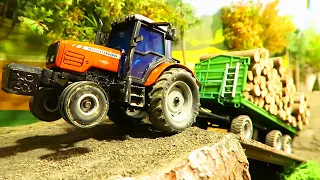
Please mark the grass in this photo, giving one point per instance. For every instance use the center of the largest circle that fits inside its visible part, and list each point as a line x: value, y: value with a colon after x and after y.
x: 306, y: 171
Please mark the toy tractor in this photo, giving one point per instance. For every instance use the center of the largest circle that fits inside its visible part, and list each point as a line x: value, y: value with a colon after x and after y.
x: 126, y: 77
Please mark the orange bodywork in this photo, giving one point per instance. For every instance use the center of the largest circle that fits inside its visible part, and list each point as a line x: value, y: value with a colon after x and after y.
x: 81, y: 56
x: 155, y: 74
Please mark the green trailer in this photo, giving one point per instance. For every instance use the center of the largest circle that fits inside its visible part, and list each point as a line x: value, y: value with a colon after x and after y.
x: 222, y: 82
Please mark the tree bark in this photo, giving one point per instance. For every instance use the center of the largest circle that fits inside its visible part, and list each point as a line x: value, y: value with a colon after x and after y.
x: 4, y: 13
x: 183, y: 46
x: 297, y: 73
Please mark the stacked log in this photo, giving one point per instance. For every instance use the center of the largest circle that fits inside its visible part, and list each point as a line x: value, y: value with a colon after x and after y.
x: 270, y: 87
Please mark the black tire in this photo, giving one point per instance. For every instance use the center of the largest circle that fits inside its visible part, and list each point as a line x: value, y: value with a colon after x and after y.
x: 287, y: 144
x: 44, y: 105
x: 159, y: 114
x: 274, y: 139
x: 118, y: 115
x: 242, y: 126
x: 77, y: 96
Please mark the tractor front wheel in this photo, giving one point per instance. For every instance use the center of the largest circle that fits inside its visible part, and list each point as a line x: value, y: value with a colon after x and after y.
x: 84, y: 104
x: 174, y: 101
x: 44, y: 105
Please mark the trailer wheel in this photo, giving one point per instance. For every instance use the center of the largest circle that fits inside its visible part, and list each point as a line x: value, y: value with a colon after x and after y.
x: 242, y: 125
x: 274, y: 139
x: 44, y: 105
x: 174, y: 101
x: 84, y: 104
x: 287, y: 144
x: 122, y: 117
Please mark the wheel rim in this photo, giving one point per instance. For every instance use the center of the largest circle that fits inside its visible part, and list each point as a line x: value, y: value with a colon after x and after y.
x: 51, y: 103
x: 179, y: 101
x: 133, y: 112
x: 287, y: 146
x: 88, y: 104
x: 247, y: 130
x: 278, y: 143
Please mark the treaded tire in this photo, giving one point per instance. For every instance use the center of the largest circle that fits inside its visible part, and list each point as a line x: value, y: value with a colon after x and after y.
x: 118, y: 115
x: 159, y: 113
x: 72, y: 107
x: 287, y: 144
x: 274, y: 139
x: 242, y: 126
x: 40, y: 110
x: 66, y: 92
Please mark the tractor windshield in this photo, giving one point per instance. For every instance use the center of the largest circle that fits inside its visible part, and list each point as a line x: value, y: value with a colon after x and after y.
x: 120, y: 36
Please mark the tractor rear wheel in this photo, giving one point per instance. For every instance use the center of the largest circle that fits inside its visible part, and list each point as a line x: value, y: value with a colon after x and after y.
x: 174, y: 101
x: 44, y: 105
x: 84, y: 104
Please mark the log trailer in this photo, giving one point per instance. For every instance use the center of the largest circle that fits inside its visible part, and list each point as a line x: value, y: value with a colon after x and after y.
x: 131, y: 74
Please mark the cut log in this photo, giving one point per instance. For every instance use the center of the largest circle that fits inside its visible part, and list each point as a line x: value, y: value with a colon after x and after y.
x: 262, y: 82
x: 300, y: 125
x: 256, y: 90
x: 264, y: 93
x: 277, y: 61
x: 254, y: 54
x: 306, y: 121
x: 261, y: 102
x: 256, y: 69
x: 256, y: 101
x: 249, y: 86
x: 307, y: 112
x: 250, y: 75
x: 294, y: 121
x: 268, y: 99
x: 267, y: 107
x: 269, y: 85
x: 297, y: 109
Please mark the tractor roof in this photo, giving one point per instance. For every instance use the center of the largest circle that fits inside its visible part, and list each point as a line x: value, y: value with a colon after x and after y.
x: 137, y: 17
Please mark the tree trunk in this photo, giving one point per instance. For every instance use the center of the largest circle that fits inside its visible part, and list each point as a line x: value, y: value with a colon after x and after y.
x: 183, y: 46
x: 297, y: 73
x: 4, y: 13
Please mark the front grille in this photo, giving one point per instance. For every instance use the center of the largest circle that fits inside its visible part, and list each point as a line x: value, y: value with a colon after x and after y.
x: 52, y: 53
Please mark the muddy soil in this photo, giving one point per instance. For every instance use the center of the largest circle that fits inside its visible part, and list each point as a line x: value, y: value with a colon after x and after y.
x: 56, y: 150
x: 307, y: 144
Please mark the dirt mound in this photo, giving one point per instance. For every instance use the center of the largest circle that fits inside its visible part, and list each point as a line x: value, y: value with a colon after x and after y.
x: 57, y: 150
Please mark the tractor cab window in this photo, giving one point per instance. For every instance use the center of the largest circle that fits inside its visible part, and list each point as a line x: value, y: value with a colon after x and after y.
x: 153, y: 41
x: 120, y: 37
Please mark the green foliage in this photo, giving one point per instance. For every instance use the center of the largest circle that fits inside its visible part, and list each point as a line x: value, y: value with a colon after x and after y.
x: 78, y: 19
x: 241, y: 25
x: 305, y: 46
x: 306, y: 171
x: 249, y: 25
x: 275, y: 28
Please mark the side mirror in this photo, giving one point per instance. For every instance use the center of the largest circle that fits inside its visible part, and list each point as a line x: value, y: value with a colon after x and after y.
x: 171, y: 34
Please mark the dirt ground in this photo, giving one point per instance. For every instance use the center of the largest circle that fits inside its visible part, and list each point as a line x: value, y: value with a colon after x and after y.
x: 56, y: 150
x: 307, y: 144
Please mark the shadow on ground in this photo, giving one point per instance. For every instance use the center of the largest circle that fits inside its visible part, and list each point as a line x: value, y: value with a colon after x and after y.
x: 64, y: 146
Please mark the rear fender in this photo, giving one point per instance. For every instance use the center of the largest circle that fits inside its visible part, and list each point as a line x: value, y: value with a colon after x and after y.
x: 156, y: 72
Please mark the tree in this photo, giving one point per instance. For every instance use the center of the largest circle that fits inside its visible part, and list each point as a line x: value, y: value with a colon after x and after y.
x: 275, y: 28
x: 241, y: 25
x: 250, y: 25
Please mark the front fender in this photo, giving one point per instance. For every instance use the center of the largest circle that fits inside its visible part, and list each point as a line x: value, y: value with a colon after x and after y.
x: 157, y: 71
